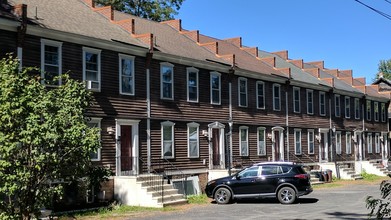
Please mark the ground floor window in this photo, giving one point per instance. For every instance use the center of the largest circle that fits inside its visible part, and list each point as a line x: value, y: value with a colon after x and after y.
x: 167, y: 139
x: 193, y: 140
x: 95, y: 123
x: 261, y: 142
x: 311, y: 145
x: 338, y: 141
x: 243, y: 142
x: 348, y: 143
x: 297, y: 141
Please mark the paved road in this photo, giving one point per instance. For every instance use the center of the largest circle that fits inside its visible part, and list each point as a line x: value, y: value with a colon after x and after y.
x: 346, y: 202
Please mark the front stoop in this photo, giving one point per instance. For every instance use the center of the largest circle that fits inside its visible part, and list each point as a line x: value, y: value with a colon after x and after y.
x: 379, y: 166
x: 347, y: 172
x: 162, y: 195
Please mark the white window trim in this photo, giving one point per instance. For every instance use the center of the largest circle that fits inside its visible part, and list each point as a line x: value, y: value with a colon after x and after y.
x: 320, y: 103
x: 369, y: 143
x: 279, y: 97
x: 377, y: 143
x: 193, y: 125
x: 188, y: 71
x: 263, y: 92
x: 53, y: 44
x: 126, y: 57
x: 337, y: 96
x: 169, y: 65
x: 347, y: 107
x: 368, y: 110
x: 264, y: 139
x: 356, y: 115
x: 301, y: 147
x: 348, y: 142
x: 240, y: 140
x: 239, y: 93
x: 294, y: 100
x: 311, y: 132
x: 338, y: 142
x: 98, y: 121
x: 310, y: 91
x: 211, y: 89
x: 170, y: 124
x: 376, y: 111
x: 383, y: 111
x: 98, y: 52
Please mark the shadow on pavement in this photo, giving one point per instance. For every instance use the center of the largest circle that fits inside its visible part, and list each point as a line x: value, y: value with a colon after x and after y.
x: 346, y: 215
x: 271, y: 201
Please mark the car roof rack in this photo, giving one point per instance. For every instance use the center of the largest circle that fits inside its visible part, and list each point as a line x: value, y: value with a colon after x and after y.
x: 276, y: 162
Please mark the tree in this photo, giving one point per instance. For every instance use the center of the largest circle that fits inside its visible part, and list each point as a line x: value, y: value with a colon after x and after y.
x: 380, y: 208
x: 384, y: 67
x: 44, y: 138
x: 156, y: 10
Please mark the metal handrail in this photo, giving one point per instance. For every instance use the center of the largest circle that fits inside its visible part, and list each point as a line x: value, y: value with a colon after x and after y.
x: 307, y: 156
x: 296, y: 157
x: 183, y: 176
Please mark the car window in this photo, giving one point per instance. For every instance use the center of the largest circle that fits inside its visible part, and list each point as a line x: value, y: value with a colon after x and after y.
x: 286, y: 169
x: 270, y: 170
x: 249, y: 172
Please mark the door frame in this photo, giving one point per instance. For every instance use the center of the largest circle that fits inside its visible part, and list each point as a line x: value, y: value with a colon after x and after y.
x: 135, y: 145
x: 281, y: 142
x: 220, y: 126
x: 358, y: 145
x: 324, y: 134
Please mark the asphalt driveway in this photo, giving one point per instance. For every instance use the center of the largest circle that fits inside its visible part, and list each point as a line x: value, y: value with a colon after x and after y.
x: 347, y: 202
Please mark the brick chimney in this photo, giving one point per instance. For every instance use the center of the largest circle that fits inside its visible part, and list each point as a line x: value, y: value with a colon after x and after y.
x: 283, y: 54
x: 90, y: 3
x: 106, y: 11
x: 269, y: 60
x: 127, y: 24
x: 212, y: 46
x: 237, y: 41
x: 319, y: 64
x: 193, y: 35
x: 176, y: 24
x: 298, y: 63
x: 251, y: 50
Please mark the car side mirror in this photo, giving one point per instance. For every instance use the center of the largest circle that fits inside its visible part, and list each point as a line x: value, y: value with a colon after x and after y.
x: 237, y: 177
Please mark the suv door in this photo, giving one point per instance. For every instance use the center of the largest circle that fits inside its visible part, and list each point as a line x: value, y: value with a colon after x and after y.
x: 270, y: 176
x: 246, y: 181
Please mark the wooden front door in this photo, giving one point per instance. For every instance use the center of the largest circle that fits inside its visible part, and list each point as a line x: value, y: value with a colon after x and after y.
x: 277, y: 143
x: 126, y: 148
x: 323, y: 147
x: 216, y: 146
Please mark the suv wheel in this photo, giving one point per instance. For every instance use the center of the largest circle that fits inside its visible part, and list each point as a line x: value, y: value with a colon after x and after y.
x: 222, y: 195
x: 286, y: 195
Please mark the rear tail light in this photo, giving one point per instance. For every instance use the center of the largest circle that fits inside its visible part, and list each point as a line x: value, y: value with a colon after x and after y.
x: 302, y: 176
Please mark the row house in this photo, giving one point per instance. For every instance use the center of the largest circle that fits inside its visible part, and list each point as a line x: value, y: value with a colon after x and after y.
x: 168, y: 96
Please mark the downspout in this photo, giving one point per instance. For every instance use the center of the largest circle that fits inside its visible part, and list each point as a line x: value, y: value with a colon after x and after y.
x: 231, y: 74
x: 287, y: 119
x: 331, y: 144
x: 147, y: 67
x: 363, y: 127
x: 21, y: 11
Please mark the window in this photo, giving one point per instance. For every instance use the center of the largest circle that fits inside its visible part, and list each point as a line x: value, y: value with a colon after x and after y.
x: 297, y: 141
x: 357, y: 108
x: 348, y: 143
x: 215, y: 88
x: 369, y: 142
x: 276, y: 97
x: 51, y: 61
x: 376, y: 110
x: 377, y: 143
x: 166, y: 81
x: 260, y: 95
x: 347, y: 107
x: 91, y: 68
x: 193, y: 140
x: 126, y: 75
x: 338, y: 146
x: 95, y: 123
x: 383, y: 112
x: 311, y: 143
x: 310, y: 101
x: 271, y: 170
x: 249, y: 172
x: 296, y: 100
x: 261, y: 142
x: 192, y: 84
x: 242, y: 84
x: 322, y: 103
x: 369, y: 111
x: 167, y: 132
x: 337, y: 100
x: 243, y: 142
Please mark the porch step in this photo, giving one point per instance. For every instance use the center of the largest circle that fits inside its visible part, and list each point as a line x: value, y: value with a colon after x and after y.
x: 177, y: 202
x: 166, y: 192
x: 169, y: 198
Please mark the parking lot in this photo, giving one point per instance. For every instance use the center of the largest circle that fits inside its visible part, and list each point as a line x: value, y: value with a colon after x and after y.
x: 347, y: 202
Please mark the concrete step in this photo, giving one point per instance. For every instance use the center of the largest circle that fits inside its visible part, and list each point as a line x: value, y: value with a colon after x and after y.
x: 158, y: 188
x: 176, y: 202
x: 357, y: 177
x: 166, y: 192
x: 169, y: 198
x: 153, y: 183
x: 148, y: 177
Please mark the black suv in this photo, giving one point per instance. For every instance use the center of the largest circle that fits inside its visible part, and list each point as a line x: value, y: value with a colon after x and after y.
x: 283, y: 180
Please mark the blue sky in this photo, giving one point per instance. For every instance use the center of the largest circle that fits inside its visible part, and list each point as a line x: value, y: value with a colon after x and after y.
x: 343, y: 33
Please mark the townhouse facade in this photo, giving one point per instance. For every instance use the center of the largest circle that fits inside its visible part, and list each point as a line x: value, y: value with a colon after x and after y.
x: 206, y: 106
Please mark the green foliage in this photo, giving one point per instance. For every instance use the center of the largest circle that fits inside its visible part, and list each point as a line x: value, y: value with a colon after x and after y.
x: 370, y: 177
x: 44, y: 138
x: 380, y: 208
x: 384, y: 67
x: 156, y: 10
x: 197, y: 199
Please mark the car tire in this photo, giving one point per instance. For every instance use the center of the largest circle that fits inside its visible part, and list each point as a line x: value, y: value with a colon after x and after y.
x: 286, y: 195
x: 222, y: 195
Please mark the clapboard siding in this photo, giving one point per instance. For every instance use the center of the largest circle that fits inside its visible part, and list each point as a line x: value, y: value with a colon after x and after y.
x: 7, y: 43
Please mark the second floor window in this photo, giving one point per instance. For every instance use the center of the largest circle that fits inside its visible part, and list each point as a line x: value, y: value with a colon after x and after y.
x: 347, y: 107
x: 242, y: 84
x: 126, y: 71
x: 276, y: 97
x: 369, y: 109
x: 243, y: 142
x: 167, y: 81
x: 322, y: 104
x: 337, y: 101
x: 192, y: 84
x: 311, y: 143
x: 310, y: 102
x: 261, y: 142
x: 51, y: 61
x: 296, y: 99
x: 91, y: 68
x: 215, y: 88
x: 357, y: 108
x: 383, y: 112
x: 376, y: 110
x: 261, y: 95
